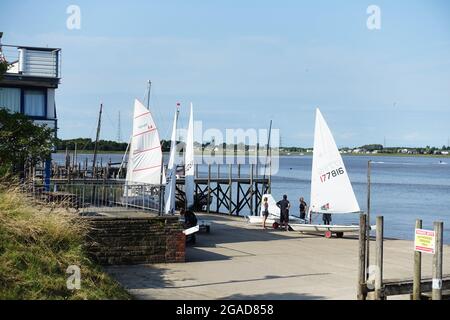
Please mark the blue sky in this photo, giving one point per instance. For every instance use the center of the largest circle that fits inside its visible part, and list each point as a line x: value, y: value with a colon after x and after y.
x: 244, y: 63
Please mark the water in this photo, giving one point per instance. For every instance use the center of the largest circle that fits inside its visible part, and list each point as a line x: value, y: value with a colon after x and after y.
x: 403, y: 188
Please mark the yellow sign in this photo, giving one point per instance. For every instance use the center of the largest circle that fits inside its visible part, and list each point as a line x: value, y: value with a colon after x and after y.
x: 424, y: 241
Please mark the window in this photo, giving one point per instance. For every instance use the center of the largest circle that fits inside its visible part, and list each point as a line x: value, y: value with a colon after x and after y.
x: 10, y: 99
x: 34, y: 103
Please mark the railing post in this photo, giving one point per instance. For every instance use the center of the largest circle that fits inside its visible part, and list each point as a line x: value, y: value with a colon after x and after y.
x: 379, y: 259
x: 361, y: 290
x: 437, y: 262
x: 417, y: 290
x: 209, y: 190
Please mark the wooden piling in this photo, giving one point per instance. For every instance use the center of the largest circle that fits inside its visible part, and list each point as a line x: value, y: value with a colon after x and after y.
x: 437, y: 262
x: 361, y: 290
x: 209, y: 190
x: 368, y: 219
x: 230, y: 187
x: 417, y: 292
x: 379, y: 259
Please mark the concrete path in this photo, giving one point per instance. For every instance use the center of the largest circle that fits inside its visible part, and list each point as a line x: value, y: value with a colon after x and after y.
x: 241, y: 261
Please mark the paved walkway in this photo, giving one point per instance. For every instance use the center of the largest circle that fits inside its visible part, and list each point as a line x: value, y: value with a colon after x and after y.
x: 241, y: 261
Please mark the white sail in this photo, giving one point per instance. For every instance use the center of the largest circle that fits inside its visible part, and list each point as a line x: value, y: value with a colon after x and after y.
x: 171, y: 171
x: 189, y: 166
x: 331, y: 190
x: 145, y: 157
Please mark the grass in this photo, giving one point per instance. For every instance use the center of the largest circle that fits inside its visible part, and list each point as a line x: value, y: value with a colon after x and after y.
x: 37, y: 245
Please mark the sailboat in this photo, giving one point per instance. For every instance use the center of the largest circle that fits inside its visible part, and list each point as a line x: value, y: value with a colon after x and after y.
x: 170, y: 191
x: 331, y: 190
x: 144, y: 167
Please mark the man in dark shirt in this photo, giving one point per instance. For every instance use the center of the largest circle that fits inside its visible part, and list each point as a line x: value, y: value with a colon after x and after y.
x: 284, y: 206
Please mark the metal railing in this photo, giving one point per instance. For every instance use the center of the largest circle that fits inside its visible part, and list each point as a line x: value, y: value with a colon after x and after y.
x: 97, y: 196
x: 32, y: 61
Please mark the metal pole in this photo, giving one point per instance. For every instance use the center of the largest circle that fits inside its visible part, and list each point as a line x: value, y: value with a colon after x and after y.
x: 361, y: 290
x: 417, y: 269
x: 437, y: 262
x: 251, y: 189
x: 379, y: 259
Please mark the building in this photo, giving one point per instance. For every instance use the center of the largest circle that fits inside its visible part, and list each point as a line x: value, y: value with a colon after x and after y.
x: 30, y: 82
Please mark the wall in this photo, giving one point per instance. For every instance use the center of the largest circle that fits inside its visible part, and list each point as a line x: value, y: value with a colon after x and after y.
x: 119, y: 241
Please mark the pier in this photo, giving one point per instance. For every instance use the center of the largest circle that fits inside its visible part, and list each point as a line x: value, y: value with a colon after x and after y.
x: 226, y: 189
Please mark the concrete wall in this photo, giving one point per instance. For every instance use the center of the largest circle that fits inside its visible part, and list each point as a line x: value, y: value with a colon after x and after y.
x: 119, y: 241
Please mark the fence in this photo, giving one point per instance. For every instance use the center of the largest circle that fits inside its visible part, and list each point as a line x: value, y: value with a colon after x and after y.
x: 98, y: 196
x: 417, y: 287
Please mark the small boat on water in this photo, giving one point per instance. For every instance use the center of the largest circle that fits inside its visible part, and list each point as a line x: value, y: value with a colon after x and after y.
x: 331, y: 190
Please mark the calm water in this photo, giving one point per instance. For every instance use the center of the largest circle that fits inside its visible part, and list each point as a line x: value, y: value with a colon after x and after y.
x: 403, y: 188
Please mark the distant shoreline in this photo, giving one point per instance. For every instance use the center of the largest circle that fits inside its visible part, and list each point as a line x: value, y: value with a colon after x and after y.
x: 284, y: 154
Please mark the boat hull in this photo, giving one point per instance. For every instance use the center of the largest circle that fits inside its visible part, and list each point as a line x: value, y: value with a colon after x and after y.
x: 316, y: 228
x: 271, y: 219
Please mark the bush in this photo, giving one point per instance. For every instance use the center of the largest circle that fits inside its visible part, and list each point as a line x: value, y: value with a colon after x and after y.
x: 36, y: 247
x: 22, y: 141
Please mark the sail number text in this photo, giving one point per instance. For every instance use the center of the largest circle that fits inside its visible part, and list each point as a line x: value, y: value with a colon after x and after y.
x: 332, y: 174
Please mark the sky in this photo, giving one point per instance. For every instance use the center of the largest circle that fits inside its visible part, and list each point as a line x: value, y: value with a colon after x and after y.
x: 244, y: 63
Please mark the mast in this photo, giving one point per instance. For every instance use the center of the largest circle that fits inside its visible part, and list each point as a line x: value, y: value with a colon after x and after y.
x: 123, y: 158
x: 94, y: 167
x: 148, y: 93
x: 119, y: 129
x: 189, y: 162
x: 268, y: 156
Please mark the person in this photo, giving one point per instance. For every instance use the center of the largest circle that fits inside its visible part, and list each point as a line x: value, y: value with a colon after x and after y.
x: 190, y: 221
x: 303, y: 207
x: 326, y: 218
x: 284, y: 206
x: 265, y: 211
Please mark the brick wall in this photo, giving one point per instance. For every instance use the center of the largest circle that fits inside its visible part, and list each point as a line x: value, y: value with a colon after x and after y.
x: 114, y: 241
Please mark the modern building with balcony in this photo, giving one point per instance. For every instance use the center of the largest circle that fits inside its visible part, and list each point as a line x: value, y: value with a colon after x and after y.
x: 31, y: 79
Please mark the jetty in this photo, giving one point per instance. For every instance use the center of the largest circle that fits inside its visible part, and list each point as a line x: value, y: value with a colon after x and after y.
x: 228, y: 189
x: 241, y: 261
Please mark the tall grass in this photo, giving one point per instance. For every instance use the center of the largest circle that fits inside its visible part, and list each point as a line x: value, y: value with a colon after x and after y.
x: 37, y: 245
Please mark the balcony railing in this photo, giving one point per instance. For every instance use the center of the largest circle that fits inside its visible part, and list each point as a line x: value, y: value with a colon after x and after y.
x: 32, y: 61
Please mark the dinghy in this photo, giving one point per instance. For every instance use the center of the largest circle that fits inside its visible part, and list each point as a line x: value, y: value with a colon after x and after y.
x: 144, y: 167
x: 331, y: 190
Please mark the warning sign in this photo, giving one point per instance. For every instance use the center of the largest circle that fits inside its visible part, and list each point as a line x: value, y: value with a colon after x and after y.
x: 424, y: 241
